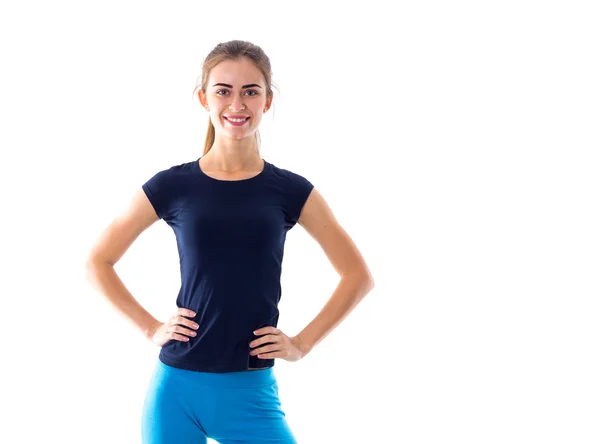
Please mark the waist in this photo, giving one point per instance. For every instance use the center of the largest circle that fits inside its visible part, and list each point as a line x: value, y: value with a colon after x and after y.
x: 234, y: 379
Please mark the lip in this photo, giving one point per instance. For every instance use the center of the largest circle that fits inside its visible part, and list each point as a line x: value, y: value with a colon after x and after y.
x: 247, y: 119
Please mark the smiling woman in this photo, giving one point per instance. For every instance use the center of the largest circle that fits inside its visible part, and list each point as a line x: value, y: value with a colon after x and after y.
x: 230, y: 210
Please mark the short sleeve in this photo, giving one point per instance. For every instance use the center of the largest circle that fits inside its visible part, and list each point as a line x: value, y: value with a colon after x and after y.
x: 158, y: 189
x: 298, y: 192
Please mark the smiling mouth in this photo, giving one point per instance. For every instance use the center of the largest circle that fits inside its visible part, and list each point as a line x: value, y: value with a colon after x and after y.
x: 236, y: 121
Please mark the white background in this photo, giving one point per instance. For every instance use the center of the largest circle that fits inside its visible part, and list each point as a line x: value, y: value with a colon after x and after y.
x: 456, y: 142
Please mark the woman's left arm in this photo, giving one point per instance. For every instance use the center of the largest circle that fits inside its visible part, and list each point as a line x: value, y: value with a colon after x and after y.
x: 355, y: 277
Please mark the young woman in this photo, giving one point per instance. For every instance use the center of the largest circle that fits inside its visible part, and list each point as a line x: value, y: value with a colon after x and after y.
x: 230, y: 211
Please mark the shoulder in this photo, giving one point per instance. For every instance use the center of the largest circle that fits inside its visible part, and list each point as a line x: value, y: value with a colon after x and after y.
x: 173, y: 173
x: 180, y: 169
x: 294, y: 189
x: 167, y: 188
x: 172, y: 180
x: 290, y: 177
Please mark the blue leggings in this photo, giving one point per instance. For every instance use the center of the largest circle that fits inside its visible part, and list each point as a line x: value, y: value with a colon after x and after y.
x: 187, y: 407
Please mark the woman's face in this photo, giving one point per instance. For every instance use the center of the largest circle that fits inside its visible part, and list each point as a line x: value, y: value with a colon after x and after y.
x: 236, y: 89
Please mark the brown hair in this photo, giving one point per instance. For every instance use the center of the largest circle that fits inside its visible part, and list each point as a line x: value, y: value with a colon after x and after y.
x: 233, y: 50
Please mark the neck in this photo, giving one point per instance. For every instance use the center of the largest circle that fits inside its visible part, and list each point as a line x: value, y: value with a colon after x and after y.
x: 233, y: 155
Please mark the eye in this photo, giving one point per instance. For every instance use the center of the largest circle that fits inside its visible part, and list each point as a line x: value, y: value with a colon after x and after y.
x: 227, y: 91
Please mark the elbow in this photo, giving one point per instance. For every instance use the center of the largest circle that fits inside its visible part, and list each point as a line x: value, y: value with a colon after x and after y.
x: 91, y: 261
x: 367, y: 283
x: 370, y: 282
x: 361, y: 278
x: 96, y: 259
x: 89, y: 268
x: 91, y: 265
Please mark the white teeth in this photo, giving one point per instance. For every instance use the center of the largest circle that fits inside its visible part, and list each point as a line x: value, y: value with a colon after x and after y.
x: 236, y: 120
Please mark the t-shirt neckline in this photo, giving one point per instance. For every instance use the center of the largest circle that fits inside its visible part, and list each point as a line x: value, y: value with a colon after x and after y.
x: 256, y: 178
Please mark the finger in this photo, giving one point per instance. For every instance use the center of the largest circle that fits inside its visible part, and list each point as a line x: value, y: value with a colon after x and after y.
x: 177, y: 336
x: 265, y: 330
x: 184, y: 331
x: 185, y: 321
x: 265, y: 340
x: 272, y: 355
x: 266, y: 349
x: 176, y: 319
x: 186, y: 312
x: 272, y: 338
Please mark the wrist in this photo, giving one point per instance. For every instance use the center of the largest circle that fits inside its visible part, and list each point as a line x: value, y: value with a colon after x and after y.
x: 149, y: 330
x: 304, y: 346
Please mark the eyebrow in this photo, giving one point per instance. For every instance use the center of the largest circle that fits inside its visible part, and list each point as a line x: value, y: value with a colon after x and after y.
x: 243, y: 87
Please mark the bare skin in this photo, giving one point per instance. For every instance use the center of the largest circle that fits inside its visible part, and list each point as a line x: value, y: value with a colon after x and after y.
x: 209, y: 170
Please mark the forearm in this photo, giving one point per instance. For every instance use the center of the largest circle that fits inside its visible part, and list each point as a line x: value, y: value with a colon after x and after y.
x: 351, y: 289
x: 104, y: 278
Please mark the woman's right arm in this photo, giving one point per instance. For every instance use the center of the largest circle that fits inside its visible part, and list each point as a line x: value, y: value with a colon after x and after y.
x: 109, y: 248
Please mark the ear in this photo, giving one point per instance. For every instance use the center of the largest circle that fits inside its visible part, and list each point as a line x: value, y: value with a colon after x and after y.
x: 268, y: 104
x: 202, y: 98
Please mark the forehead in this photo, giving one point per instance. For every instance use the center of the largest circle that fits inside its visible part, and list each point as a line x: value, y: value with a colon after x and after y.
x: 236, y: 73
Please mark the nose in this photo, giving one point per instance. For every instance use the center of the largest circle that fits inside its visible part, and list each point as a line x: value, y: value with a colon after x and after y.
x: 236, y: 105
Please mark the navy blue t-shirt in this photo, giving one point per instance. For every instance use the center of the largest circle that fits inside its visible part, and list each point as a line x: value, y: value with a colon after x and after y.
x: 230, y: 237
